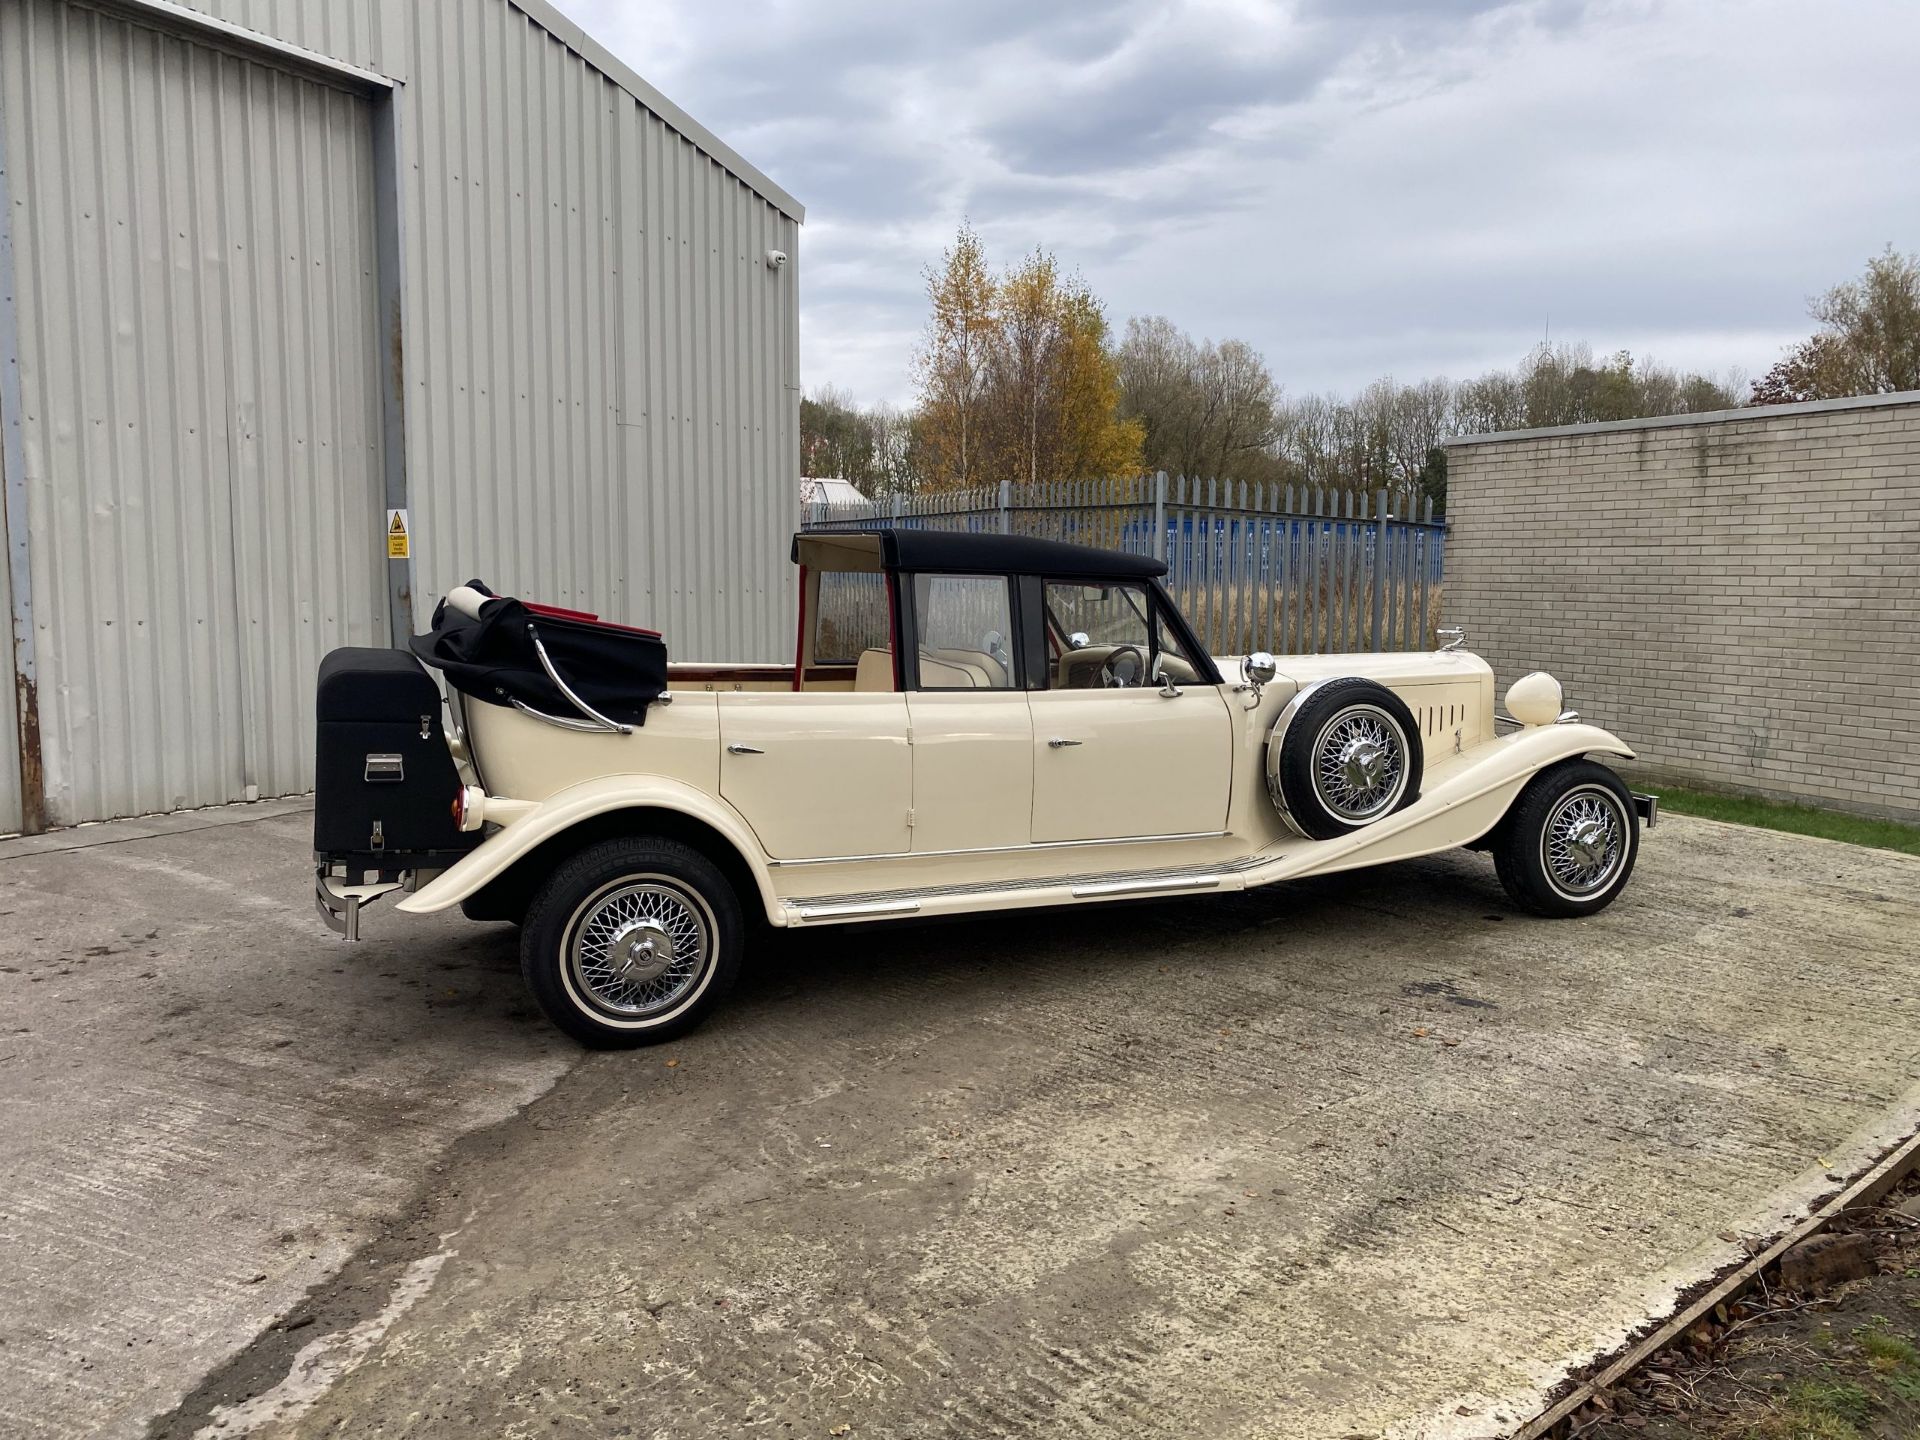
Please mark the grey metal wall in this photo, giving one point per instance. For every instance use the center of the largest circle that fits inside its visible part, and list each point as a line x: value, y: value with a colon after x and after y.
x: 194, y: 248
x: 603, y: 372
x: 11, y: 813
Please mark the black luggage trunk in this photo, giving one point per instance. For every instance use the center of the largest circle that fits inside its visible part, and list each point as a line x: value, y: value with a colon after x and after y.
x: 385, y: 780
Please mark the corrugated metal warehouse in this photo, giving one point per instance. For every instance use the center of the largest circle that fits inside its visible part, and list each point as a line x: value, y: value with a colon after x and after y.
x: 270, y: 271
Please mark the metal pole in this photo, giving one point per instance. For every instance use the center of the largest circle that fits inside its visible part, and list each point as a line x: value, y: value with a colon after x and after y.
x: 1160, y: 515
x: 13, y: 478
x: 389, y: 256
x: 1379, y: 568
x: 1006, y: 504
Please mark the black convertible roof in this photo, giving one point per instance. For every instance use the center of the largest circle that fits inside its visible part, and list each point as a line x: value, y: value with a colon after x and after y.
x: 951, y: 553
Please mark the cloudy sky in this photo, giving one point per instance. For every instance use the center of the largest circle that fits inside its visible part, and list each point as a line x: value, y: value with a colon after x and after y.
x: 1357, y: 187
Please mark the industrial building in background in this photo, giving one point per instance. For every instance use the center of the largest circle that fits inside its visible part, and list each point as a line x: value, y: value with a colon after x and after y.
x: 309, y: 312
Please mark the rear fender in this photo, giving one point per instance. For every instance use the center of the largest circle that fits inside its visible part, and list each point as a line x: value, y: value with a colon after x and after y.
x: 577, y: 804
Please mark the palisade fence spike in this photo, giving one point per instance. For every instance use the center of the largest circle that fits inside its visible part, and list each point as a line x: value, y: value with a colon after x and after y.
x: 1291, y: 566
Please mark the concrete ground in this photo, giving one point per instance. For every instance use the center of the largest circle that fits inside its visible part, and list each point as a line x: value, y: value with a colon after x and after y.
x: 1371, y: 1155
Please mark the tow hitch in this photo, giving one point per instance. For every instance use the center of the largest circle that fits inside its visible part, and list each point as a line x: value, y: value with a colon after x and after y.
x: 339, y: 902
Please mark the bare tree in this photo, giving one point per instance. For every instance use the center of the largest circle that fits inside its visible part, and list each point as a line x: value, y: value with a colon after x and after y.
x: 1208, y: 409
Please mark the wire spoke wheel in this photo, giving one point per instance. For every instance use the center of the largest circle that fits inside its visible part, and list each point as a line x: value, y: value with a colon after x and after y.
x: 1584, y: 840
x: 1360, y: 763
x: 637, y: 947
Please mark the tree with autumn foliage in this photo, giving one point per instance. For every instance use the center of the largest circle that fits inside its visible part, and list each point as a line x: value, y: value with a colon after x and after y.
x: 952, y: 362
x: 1017, y: 380
x: 1868, y: 342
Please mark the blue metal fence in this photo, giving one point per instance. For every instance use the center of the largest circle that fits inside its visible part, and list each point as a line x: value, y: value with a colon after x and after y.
x: 1254, y: 567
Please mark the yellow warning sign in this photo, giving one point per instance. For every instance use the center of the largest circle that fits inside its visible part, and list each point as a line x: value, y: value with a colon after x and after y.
x: 397, y: 546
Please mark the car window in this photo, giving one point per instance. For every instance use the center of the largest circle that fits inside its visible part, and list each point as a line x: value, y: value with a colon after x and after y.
x: 850, y: 617
x: 1108, y: 634
x: 964, y: 632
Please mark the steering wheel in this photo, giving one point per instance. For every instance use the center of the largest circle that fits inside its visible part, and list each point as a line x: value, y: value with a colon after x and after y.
x: 1123, y: 668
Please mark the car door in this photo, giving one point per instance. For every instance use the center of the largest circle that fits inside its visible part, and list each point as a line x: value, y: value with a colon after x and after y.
x: 819, y: 774
x: 1114, y: 755
x: 972, y: 732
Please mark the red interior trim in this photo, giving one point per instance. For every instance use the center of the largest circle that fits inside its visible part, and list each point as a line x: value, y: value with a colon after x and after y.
x: 800, y: 634
x: 587, y: 617
x: 559, y: 612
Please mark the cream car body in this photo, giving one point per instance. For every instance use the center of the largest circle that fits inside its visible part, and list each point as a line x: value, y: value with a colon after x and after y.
x: 1032, y: 767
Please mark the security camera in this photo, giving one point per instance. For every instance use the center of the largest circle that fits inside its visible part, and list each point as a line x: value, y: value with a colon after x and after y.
x: 776, y: 259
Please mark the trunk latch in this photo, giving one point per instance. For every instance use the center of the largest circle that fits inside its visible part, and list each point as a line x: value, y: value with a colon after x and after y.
x: 385, y: 768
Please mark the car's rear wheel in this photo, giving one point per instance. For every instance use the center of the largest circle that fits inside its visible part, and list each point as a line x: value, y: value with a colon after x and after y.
x: 632, y: 942
x: 1568, y: 844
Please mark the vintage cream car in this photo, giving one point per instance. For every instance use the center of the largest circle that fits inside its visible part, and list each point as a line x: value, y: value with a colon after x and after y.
x: 971, y: 723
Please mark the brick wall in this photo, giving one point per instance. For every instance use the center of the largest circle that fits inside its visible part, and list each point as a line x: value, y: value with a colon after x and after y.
x: 1738, y: 598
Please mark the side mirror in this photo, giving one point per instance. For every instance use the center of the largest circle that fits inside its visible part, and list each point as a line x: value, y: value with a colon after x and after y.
x: 1256, y: 671
x: 1168, y: 689
x: 1079, y: 640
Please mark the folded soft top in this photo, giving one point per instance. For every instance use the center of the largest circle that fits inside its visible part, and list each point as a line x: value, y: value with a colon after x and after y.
x: 565, y: 665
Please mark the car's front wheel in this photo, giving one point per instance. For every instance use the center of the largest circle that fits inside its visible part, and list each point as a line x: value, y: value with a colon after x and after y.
x: 632, y: 942
x: 1568, y: 844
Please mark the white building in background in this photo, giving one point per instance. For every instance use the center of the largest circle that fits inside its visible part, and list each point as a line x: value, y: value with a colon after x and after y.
x: 830, y: 491
x: 271, y: 272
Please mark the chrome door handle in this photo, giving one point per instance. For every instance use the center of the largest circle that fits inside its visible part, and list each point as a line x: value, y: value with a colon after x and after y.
x: 1059, y: 744
x: 744, y: 750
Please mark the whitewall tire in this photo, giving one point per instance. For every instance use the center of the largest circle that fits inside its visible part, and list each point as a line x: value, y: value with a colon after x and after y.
x: 1568, y: 845
x: 631, y: 942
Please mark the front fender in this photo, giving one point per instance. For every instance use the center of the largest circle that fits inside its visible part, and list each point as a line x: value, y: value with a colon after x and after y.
x: 1538, y: 746
x: 567, y: 808
x: 1463, y: 801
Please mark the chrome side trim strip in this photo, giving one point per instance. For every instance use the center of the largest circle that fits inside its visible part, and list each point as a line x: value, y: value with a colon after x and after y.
x: 848, y: 911
x: 1003, y: 849
x: 1099, y: 884
x: 1146, y: 887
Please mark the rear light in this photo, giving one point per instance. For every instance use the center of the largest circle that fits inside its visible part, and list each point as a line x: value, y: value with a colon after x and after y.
x: 469, y: 807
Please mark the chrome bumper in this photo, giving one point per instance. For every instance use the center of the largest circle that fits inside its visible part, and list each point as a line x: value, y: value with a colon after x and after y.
x: 1647, y: 807
x: 339, y: 903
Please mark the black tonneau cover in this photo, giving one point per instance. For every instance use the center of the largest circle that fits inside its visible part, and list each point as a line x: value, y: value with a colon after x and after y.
x: 616, y: 669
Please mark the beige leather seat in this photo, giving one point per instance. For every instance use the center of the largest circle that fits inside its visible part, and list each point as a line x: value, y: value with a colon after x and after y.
x: 946, y: 672
x: 939, y: 670
x: 874, y: 672
x: 983, y: 671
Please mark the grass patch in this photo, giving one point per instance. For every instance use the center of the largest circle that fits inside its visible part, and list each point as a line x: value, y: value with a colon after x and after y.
x: 1794, y: 819
x: 1819, y: 1410
x: 1888, y: 1353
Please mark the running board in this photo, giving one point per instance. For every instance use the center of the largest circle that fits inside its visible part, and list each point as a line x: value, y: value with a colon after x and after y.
x: 1108, y: 889
x: 855, y: 910
x: 1051, y: 890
